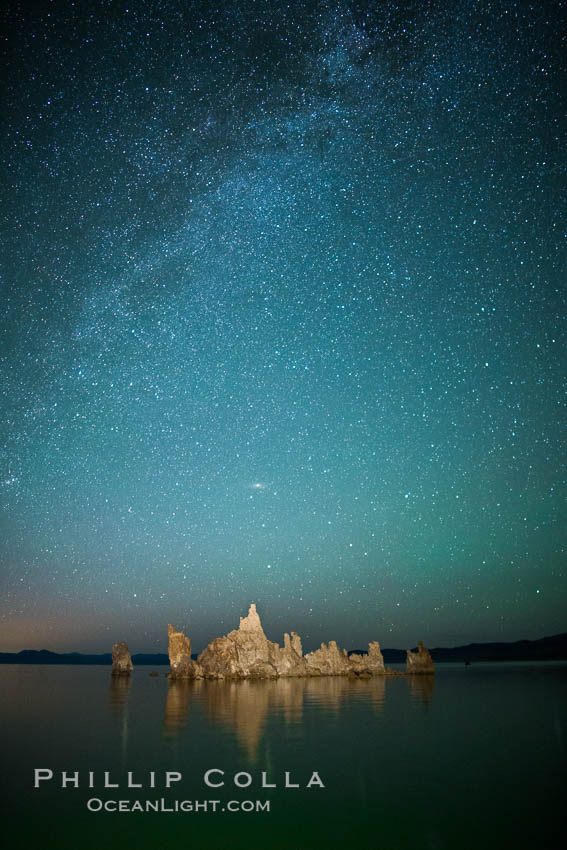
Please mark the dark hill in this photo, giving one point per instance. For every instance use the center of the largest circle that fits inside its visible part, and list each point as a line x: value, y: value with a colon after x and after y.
x: 552, y: 648
x: 43, y: 656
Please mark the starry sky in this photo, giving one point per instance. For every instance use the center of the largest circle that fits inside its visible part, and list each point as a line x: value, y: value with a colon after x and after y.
x: 282, y: 320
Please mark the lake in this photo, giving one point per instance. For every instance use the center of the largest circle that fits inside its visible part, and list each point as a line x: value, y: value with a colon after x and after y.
x: 471, y: 758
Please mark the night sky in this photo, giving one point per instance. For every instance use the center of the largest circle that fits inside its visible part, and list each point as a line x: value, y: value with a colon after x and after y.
x: 282, y: 320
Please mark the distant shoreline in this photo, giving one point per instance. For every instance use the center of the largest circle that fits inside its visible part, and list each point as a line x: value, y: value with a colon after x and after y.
x: 552, y: 648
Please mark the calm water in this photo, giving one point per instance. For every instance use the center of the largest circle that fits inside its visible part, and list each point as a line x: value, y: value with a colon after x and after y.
x: 472, y: 759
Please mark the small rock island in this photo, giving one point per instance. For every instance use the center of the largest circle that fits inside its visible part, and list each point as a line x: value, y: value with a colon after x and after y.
x: 121, y: 660
x: 246, y: 653
x: 420, y: 661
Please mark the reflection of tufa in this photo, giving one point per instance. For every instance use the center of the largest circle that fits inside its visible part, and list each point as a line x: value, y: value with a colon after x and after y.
x: 121, y: 660
x: 246, y: 653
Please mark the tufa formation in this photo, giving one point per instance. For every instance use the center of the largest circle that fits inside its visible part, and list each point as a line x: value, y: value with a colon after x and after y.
x: 182, y: 665
x: 420, y: 661
x: 246, y: 653
x: 121, y: 660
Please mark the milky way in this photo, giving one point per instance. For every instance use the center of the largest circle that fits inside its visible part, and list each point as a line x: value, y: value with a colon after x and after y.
x: 282, y: 321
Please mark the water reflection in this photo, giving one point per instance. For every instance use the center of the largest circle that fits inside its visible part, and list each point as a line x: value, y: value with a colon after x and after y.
x: 421, y: 687
x: 241, y: 706
x: 118, y: 701
x: 286, y: 696
x: 118, y: 694
x: 376, y: 690
x: 179, y: 695
x: 329, y: 691
x: 244, y: 707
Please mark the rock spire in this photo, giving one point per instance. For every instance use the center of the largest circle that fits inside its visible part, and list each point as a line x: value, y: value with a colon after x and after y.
x: 246, y: 653
x: 420, y: 661
x: 121, y: 660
